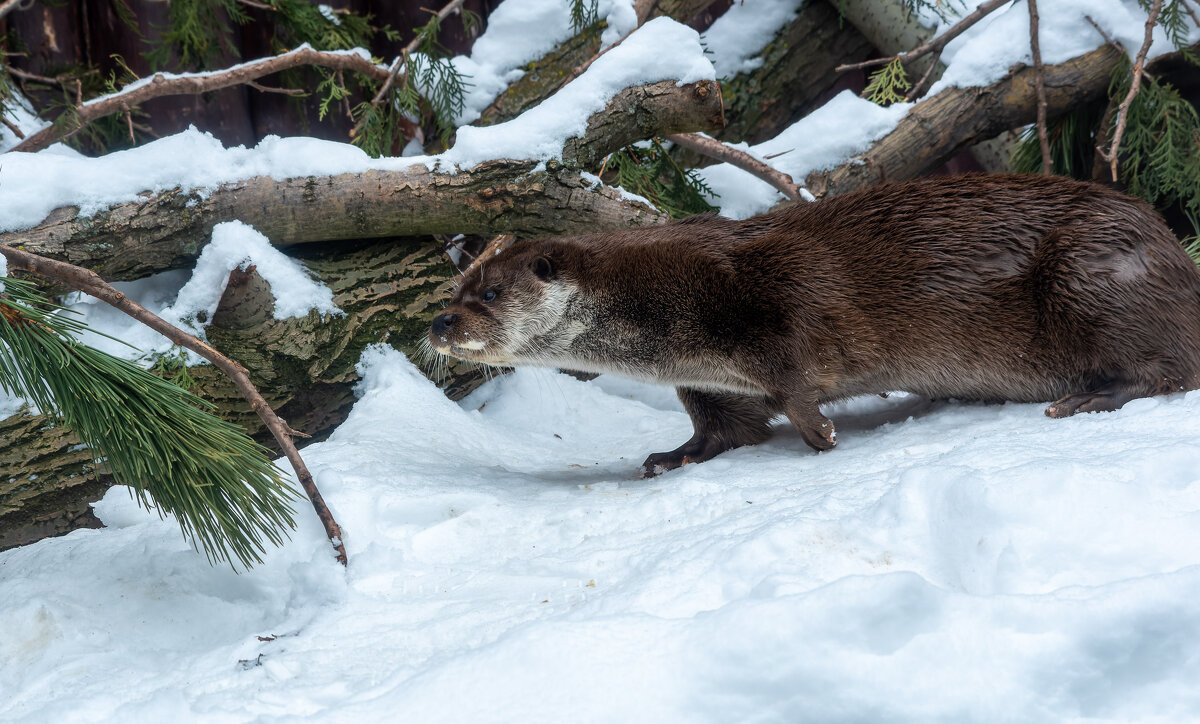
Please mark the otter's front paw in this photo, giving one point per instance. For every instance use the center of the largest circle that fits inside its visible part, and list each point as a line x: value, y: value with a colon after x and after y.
x: 659, y: 463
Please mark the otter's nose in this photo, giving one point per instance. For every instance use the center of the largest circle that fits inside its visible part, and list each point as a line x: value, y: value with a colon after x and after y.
x: 442, y: 322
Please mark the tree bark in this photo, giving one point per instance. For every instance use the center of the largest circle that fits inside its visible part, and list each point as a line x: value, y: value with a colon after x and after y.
x: 168, y: 230
x: 46, y: 481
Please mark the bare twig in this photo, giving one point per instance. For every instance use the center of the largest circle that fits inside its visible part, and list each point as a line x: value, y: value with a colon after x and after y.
x: 1112, y: 154
x: 26, y: 75
x: 715, y: 149
x: 8, y: 6
x: 1187, y: 5
x: 89, y: 282
x: 193, y: 83
x: 442, y: 14
x: 12, y: 126
x: 284, y: 91
x: 258, y: 5
x: 919, y: 88
x: 1107, y: 38
x: 1039, y: 85
x: 934, y: 46
x: 129, y: 124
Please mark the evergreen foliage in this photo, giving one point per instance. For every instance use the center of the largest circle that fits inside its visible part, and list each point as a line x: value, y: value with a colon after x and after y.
x: 199, y: 31
x: 1160, y: 154
x: 584, y: 14
x: 648, y: 170
x: 1072, y: 143
x: 1173, y: 19
x: 229, y: 498
x: 888, y: 84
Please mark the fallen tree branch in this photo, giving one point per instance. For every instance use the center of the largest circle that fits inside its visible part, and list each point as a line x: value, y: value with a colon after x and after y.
x: 937, y: 128
x: 645, y: 111
x: 1039, y: 84
x: 167, y: 230
x: 552, y: 71
x: 162, y: 84
x: 89, y: 282
x: 1113, y: 152
x: 736, y: 157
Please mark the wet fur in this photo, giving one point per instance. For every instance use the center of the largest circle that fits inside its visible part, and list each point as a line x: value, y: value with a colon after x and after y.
x: 985, y: 287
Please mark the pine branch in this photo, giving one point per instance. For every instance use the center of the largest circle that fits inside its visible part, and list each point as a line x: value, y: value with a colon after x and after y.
x: 224, y: 491
x: 160, y: 85
x: 89, y: 282
x: 715, y: 149
x: 1039, y: 84
x: 1111, y: 155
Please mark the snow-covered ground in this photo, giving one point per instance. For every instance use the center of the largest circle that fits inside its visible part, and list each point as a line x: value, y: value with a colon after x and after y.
x: 947, y: 562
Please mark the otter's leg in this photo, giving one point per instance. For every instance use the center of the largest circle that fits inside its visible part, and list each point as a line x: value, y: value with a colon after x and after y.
x: 722, y: 421
x: 1105, y: 398
x: 816, y: 429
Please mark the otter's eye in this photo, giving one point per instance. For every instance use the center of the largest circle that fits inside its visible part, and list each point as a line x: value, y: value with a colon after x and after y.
x: 488, y: 296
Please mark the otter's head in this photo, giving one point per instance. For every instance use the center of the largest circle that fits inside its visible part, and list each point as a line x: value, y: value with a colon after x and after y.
x: 509, y: 308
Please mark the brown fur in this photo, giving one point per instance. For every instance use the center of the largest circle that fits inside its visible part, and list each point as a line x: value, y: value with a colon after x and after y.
x: 987, y: 287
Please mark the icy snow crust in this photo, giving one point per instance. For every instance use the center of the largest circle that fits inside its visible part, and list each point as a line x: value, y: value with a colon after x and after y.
x: 947, y: 562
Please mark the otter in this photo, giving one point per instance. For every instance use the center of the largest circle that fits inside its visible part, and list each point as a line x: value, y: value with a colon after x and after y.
x: 976, y: 287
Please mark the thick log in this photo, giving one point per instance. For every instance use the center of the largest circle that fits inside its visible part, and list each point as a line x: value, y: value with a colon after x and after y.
x: 167, y: 231
x: 47, y: 481
x: 937, y: 128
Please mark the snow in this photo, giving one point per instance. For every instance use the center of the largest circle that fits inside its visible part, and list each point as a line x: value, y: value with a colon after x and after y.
x: 659, y: 50
x: 498, y: 56
x: 236, y: 245
x: 736, y: 38
x: 985, y: 52
x: 844, y: 126
x: 946, y: 562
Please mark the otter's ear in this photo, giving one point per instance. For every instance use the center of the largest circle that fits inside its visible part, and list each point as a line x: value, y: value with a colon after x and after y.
x: 543, y: 268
